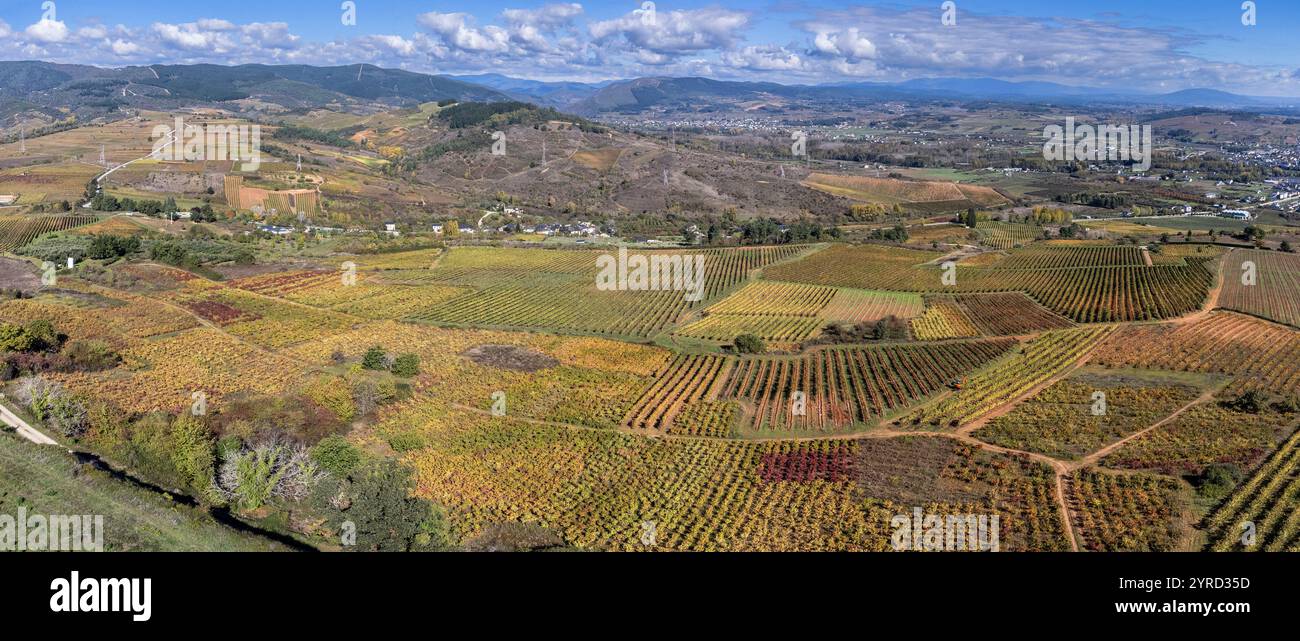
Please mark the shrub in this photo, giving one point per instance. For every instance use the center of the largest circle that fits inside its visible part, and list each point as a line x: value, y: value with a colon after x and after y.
x: 406, y: 442
x: 337, y: 456
x: 332, y: 393
x: 386, y: 517
x: 407, y: 366
x: 253, y: 477
x: 375, y: 359
x: 1217, y: 480
x: 91, y: 356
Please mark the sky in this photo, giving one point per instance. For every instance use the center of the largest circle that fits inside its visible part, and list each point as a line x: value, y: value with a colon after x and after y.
x: 1138, y: 46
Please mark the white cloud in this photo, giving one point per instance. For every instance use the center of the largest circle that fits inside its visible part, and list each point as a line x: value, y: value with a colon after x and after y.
x: 93, y: 32
x: 674, y: 32
x: 764, y: 58
x: 850, y: 44
x: 459, y: 31
x: 48, y: 31
x: 551, y: 15
x: 122, y: 48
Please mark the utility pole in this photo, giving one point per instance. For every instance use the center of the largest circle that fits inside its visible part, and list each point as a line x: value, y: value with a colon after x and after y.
x: 103, y: 160
x: 22, y: 139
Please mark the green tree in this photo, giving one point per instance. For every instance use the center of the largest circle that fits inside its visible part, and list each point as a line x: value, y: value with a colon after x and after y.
x: 386, y: 516
x: 750, y: 344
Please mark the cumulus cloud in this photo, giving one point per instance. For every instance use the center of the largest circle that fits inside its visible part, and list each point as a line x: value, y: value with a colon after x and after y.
x: 48, y: 31
x: 559, y: 41
x: 459, y: 31
x: 764, y: 58
x: 674, y: 32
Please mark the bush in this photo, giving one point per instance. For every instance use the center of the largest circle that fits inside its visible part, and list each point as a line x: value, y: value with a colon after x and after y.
x: 375, y: 359
x: 337, y: 456
x: 406, y: 442
x: 1218, y: 480
x: 407, y: 366
x: 49, y: 403
x: 750, y: 344
x: 91, y: 356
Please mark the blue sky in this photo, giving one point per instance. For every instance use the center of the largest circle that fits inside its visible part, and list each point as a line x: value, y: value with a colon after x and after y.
x: 1157, y: 45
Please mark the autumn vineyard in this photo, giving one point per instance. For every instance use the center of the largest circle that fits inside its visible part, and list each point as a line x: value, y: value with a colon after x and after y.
x: 1094, y: 396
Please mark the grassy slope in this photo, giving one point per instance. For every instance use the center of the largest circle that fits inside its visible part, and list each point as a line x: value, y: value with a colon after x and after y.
x: 46, y: 480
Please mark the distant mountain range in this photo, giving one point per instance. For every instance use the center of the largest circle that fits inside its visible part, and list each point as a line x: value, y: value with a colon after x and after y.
x: 85, y: 89
x: 46, y: 89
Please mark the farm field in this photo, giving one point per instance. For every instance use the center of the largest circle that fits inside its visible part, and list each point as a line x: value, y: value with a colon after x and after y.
x: 1004, y: 236
x: 843, y: 387
x: 1258, y: 354
x: 1204, y: 435
x: 1115, y: 291
x: 1264, y: 284
x: 1070, y: 420
x: 1032, y: 364
x: 1265, y: 499
x: 17, y: 231
x: 920, y: 195
x: 1127, y: 512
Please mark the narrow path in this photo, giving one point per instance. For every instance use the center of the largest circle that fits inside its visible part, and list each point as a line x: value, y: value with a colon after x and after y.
x: 1093, y: 458
x: 24, y: 430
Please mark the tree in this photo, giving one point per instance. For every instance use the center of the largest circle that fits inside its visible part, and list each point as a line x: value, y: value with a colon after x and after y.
x: 750, y: 344
x: 386, y: 516
x: 972, y: 218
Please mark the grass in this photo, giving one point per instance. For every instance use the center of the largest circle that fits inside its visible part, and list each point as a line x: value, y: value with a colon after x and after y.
x: 48, y: 480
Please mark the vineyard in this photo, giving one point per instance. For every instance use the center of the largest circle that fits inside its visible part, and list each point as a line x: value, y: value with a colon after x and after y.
x: 842, y: 387
x: 17, y: 231
x: 1016, y: 374
x: 943, y: 319
x: 1126, y: 512
x: 860, y: 306
x: 1060, y: 421
x: 688, y: 379
x: 1204, y: 435
x: 1259, y: 354
x: 1267, y: 499
x: 1274, y: 292
x: 558, y: 290
x: 597, y: 489
x: 1007, y: 235
x: 1115, y: 290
